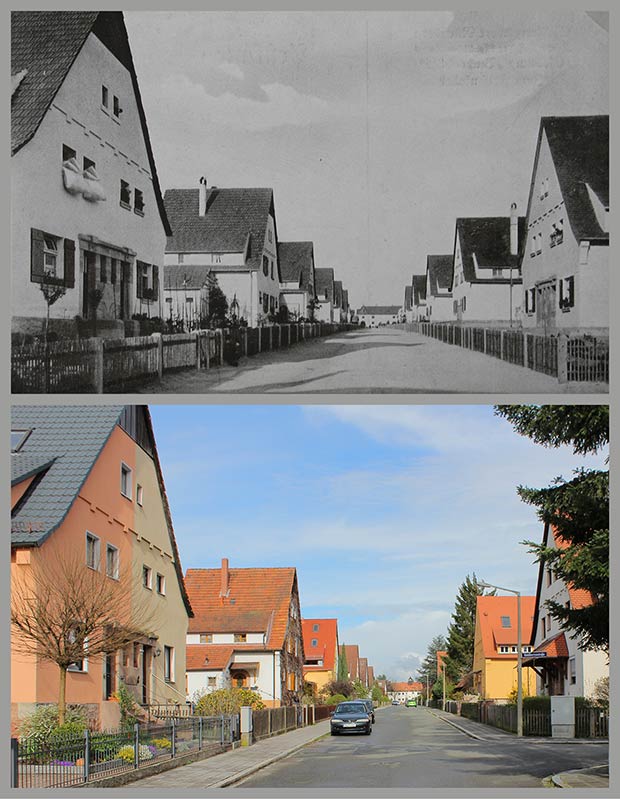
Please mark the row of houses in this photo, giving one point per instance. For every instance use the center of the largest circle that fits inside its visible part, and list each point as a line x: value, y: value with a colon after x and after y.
x: 92, y: 235
x: 89, y: 508
x: 545, y: 271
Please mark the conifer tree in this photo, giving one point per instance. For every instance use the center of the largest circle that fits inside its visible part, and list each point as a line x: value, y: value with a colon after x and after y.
x: 460, y: 643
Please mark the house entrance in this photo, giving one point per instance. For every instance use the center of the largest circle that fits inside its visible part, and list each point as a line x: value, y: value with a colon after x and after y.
x: 546, y: 303
x: 147, y: 660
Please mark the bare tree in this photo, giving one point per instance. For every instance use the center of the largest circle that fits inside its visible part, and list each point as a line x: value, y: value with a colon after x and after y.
x: 63, y: 612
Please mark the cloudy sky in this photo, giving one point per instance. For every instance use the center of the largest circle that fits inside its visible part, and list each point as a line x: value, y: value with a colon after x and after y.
x: 375, y: 129
x: 384, y: 510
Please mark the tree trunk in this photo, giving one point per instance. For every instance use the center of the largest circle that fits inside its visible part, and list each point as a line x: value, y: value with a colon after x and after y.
x: 62, y: 692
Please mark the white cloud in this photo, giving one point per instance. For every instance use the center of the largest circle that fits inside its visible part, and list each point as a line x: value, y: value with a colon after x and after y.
x: 234, y: 70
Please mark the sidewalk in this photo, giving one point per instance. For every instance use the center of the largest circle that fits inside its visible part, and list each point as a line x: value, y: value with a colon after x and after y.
x: 595, y: 777
x: 231, y: 767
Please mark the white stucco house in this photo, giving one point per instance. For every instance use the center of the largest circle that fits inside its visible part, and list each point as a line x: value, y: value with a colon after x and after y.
x: 324, y: 282
x: 439, y: 306
x: 297, y: 287
x: 375, y: 315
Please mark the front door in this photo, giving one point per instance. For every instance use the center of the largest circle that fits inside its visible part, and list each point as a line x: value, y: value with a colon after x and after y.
x: 110, y: 675
x: 147, y: 655
x: 546, y: 304
x: 89, y: 282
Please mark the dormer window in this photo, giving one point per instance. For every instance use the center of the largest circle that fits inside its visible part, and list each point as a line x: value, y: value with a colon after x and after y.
x: 240, y: 638
x: 505, y: 621
x: 125, y: 195
x: 18, y: 439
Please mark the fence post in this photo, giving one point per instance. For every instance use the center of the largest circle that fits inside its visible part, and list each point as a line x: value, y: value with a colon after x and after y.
x: 14, y: 763
x: 199, y: 733
x: 244, y: 336
x: 157, y: 338
x: 270, y: 337
x: 198, y: 335
x: 98, y: 365
x: 86, y: 754
x: 221, y: 332
x: 222, y: 730
x: 501, y: 345
x: 136, y: 744
x: 173, y: 738
x: 524, y: 336
x: 562, y: 358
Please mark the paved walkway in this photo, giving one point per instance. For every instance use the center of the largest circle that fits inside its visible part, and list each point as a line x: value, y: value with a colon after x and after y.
x: 230, y: 767
x: 366, y: 362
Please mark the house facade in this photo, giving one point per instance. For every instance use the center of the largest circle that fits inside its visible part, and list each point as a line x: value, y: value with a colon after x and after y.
x: 407, y: 311
x: 88, y: 225
x: 486, y: 281
x: 324, y: 278
x: 418, y: 285
x: 402, y: 691
x: 233, y: 233
x: 439, y: 306
x: 86, y: 484
x: 564, y: 669
x: 297, y: 287
x: 246, y: 632
x: 375, y: 315
x: 566, y: 256
x: 496, y: 646
x: 321, y: 647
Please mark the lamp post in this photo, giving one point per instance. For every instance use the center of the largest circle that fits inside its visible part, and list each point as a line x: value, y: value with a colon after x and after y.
x: 519, y: 654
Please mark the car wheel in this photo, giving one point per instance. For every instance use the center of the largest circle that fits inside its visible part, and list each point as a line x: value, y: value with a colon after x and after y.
x: 334, y: 732
x: 369, y: 730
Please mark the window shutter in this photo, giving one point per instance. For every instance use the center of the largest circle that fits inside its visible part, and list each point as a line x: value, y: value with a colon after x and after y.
x: 139, y: 285
x: 69, y: 263
x: 155, y: 282
x: 571, y: 292
x: 113, y: 271
x: 561, y: 282
x: 103, y: 264
x: 36, y: 256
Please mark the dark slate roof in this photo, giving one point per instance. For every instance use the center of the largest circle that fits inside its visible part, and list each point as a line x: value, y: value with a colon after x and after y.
x: 338, y: 293
x: 439, y: 269
x: 295, y: 259
x: 25, y: 466
x: 44, y: 45
x: 232, y: 217
x: 488, y: 237
x: 345, y: 299
x: 419, y: 288
x: 408, y: 297
x: 324, y: 282
x: 380, y: 310
x: 72, y: 436
x: 194, y: 277
x: 580, y: 151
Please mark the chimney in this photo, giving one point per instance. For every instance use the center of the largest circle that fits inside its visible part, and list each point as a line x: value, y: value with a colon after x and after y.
x: 202, y: 196
x: 514, y: 230
x: 224, y: 583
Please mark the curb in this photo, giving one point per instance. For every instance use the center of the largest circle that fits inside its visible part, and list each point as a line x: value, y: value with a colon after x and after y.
x: 458, y: 727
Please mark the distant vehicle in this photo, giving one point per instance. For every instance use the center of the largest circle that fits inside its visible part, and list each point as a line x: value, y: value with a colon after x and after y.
x: 411, y: 703
x: 351, y: 716
x: 371, y: 708
x: 395, y: 702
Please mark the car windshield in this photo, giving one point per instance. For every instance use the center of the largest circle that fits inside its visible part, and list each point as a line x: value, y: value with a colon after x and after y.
x: 356, y: 707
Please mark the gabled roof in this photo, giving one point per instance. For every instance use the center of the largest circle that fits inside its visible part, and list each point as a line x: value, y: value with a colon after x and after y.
x: 44, y: 46
x: 324, y: 282
x: 439, y: 269
x: 352, y: 654
x: 327, y: 641
x: 580, y: 151
x: 265, y: 591
x: 489, y: 612
x: 380, y: 310
x: 418, y: 283
x: 208, y: 657
x: 338, y: 293
x: 235, y: 219
x: 487, y: 238
x: 371, y: 675
x: 186, y: 276
x: 398, y: 687
x: 70, y: 438
x: 408, y: 298
x: 25, y: 466
x: 345, y: 299
x: 363, y: 670
x: 296, y: 259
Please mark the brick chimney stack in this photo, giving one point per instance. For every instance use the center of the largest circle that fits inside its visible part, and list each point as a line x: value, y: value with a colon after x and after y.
x: 514, y: 230
x: 202, y: 196
x: 224, y: 590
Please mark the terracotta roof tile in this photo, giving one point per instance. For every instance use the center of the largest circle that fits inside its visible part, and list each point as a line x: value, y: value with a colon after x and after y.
x: 383, y: 310
x: 327, y: 641
x: 489, y: 612
x: 405, y: 686
x: 555, y: 647
x: 352, y: 654
x: 217, y: 657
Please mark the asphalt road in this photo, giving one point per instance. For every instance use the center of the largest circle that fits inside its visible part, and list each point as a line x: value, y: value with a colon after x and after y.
x: 376, y: 361
x: 412, y: 748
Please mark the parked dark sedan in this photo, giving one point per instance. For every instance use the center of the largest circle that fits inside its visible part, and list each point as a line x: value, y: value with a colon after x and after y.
x: 351, y: 716
x: 371, y: 708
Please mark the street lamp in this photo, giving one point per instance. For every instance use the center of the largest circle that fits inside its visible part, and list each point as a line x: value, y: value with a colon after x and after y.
x: 519, y: 654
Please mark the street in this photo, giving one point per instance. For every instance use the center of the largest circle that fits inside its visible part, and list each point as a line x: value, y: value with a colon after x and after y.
x: 415, y: 748
x: 379, y: 360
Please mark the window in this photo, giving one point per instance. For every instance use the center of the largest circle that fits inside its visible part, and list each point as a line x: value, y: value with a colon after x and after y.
x: 270, y: 235
x: 181, y: 258
x: 504, y: 649
x: 111, y: 562
x: 104, y: 96
x: 211, y: 682
x: 161, y: 584
x: 169, y: 663
x: 50, y: 255
x: 87, y: 164
x: 265, y: 303
x: 572, y: 671
x: 18, y: 439
x: 147, y: 577
x: 103, y: 268
x: 530, y: 300
x: 498, y: 272
x: 147, y: 281
x: 567, y: 293
x: 464, y: 303
x: 68, y: 153
x: 314, y: 642
x: 505, y: 620
x: 73, y: 637
x: 240, y: 638
x: 138, y: 202
x: 315, y: 628
x: 291, y: 682
x: 139, y: 494
x: 92, y: 551
x: 272, y: 268
x: 549, y: 576
x: 206, y: 638
x: 136, y: 655
x: 113, y: 271
x: 543, y: 627
x: 125, y: 481
x: 125, y: 196
x: 557, y: 233
x: 116, y: 107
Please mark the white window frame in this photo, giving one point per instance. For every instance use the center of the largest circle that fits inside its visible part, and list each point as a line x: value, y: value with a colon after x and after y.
x: 51, y: 249
x: 147, y: 573
x: 126, y: 480
x: 80, y: 666
x: 96, y: 550
x: 572, y: 671
x: 110, y: 548
x: 168, y: 655
x: 160, y: 583
x: 139, y: 494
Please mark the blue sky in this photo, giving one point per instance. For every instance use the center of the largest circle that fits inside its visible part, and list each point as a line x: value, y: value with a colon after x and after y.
x: 383, y: 509
x: 375, y: 129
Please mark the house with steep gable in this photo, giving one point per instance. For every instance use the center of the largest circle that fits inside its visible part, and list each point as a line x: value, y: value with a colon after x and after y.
x: 496, y: 640
x: 561, y: 668
x: 246, y: 632
x: 565, y: 263
x: 321, y: 647
x: 324, y: 282
x: 407, y: 311
x: 403, y: 691
x: 376, y: 315
x: 418, y: 285
x: 439, y: 306
x: 232, y: 232
x: 88, y: 224
x: 486, y: 279
x: 351, y: 653
x: 86, y: 484
x: 297, y: 286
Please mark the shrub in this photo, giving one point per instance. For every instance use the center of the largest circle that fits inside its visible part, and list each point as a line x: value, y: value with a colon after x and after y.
x: 335, y: 699
x: 39, y: 726
x: 227, y: 700
x: 128, y: 707
x: 126, y: 753
x: 161, y: 743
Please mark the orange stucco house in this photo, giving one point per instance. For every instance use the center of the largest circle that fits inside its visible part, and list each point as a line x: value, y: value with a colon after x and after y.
x: 86, y: 483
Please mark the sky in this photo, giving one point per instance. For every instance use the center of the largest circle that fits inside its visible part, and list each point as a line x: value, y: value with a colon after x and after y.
x: 384, y: 510
x: 375, y: 129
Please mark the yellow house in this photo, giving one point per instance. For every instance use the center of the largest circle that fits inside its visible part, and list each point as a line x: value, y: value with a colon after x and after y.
x: 495, y: 646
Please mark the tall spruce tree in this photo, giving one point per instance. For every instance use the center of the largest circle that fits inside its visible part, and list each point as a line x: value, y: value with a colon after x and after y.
x: 577, y: 509
x: 460, y: 644
x: 428, y: 667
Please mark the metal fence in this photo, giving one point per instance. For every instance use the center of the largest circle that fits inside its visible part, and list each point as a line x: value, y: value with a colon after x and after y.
x: 68, y: 760
x: 571, y: 357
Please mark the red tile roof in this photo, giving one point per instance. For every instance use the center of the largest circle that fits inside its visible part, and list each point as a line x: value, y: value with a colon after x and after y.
x: 490, y: 609
x: 218, y: 656
x: 253, y: 594
x: 406, y: 686
x: 579, y: 597
x: 555, y: 647
x: 352, y: 654
x: 327, y: 641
